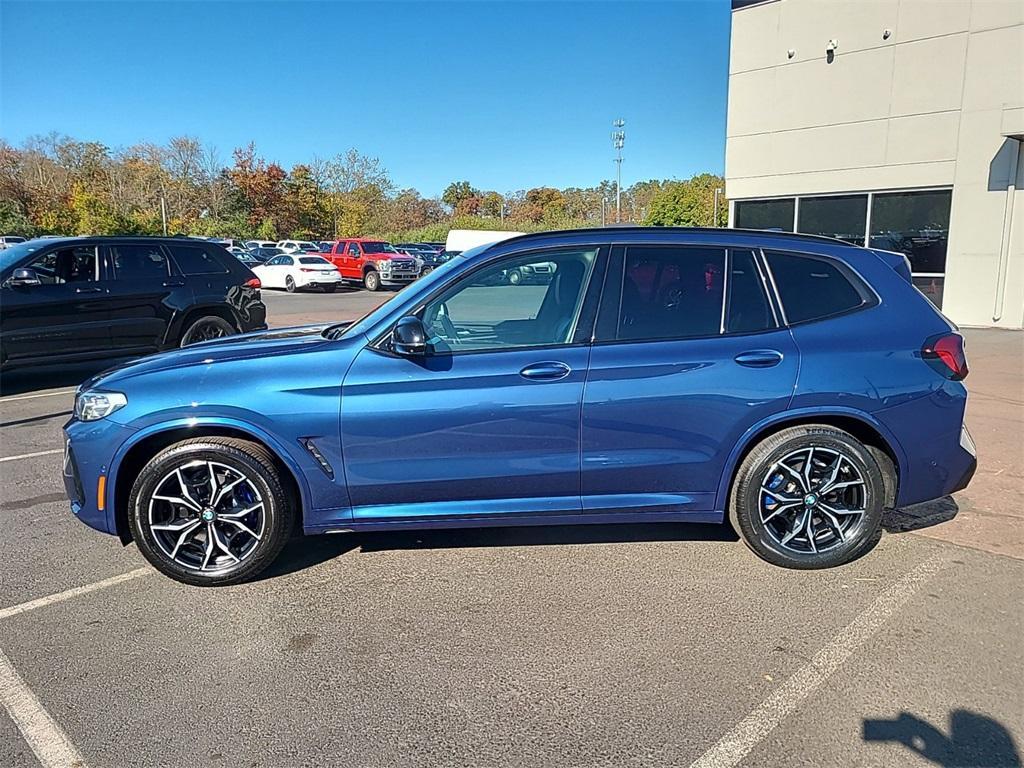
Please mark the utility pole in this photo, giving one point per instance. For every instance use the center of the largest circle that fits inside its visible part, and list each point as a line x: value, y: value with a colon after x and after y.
x: 714, y: 221
x: 604, y: 202
x: 163, y: 213
x: 618, y: 140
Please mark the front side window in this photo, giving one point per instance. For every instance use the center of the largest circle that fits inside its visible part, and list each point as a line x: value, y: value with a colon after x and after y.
x: 812, y: 288
x: 67, y: 265
x: 353, y: 249
x: 138, y: 262
x: 671, y: 293
x: 526, y: 301
x: 195, y: 261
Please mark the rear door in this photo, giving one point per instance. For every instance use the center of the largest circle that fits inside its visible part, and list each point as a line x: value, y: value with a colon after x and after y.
x: 144, y: 295
x: 65, y: 315
x: 688, y: 355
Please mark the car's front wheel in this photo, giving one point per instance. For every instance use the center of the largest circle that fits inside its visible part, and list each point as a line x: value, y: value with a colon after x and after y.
x: 371, y: 280
x: 206, y: 329
x: 808, y: 497
x: 210, y: 511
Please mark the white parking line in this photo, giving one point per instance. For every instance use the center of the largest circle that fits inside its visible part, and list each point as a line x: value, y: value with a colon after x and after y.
x: 67, y: 594
x: 32, y: 397
x: 732, y: 748
x: 32, y: 455
x: 47, y: 740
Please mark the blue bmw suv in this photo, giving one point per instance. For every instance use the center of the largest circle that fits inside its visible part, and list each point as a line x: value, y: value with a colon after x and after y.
x: 794, y: 385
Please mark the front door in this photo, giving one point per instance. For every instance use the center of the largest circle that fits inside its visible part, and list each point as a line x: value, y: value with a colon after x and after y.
x: 689, y: 356
x: 65, y: 315
x: 487, y: 423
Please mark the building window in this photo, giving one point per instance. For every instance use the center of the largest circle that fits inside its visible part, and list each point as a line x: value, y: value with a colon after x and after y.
x: 917, y: 224
x: 840, y: 216
x: 765, y: 214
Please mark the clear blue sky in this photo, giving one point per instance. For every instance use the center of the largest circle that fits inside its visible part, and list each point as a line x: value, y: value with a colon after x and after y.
x: 507, y: 95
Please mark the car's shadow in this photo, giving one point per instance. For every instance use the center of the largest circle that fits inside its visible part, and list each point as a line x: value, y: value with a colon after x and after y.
x: 306, y: 551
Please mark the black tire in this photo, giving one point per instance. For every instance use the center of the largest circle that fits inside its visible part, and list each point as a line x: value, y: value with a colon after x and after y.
x: 746, y: 501
x: 247, y: 459
x: 207, y: 328
x: 515, y: 277
x: 371, y: 280
x: 426, y: 271
x: 289, y: 284
x: 330, y: 288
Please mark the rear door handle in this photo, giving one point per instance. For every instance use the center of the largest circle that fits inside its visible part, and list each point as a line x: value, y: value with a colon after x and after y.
x: 546, y: 371
x: 88, y: 290
x: 759, y: 358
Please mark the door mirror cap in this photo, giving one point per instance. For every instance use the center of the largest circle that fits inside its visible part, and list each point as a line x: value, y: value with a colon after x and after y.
x: 409, y: 337
x: 24, y: 277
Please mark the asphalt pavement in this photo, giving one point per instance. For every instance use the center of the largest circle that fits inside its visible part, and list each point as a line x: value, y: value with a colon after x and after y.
x: 657, y: 645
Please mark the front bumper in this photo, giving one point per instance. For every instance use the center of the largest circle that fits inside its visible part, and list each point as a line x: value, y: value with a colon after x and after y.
x: 89, y: 448
x: 397, y: 278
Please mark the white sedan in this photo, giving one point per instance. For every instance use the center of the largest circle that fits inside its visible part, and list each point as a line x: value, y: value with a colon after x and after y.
x: 292, y: 272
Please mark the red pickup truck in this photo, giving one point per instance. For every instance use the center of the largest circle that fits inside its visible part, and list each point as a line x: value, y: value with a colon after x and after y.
x: 371, y: 262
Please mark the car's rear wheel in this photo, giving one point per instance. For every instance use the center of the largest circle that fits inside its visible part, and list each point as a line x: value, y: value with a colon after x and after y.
x: 210, y: 511
x: 206, y: 329
x: 808, y: 497
x: 289, y: 284
x: 371, y: 280
x: 515, y: 277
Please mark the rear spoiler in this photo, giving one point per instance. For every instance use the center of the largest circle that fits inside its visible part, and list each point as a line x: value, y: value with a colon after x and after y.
x: 898, y: 261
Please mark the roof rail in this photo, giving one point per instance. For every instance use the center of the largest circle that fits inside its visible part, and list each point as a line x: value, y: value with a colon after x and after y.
x: 616, y: 229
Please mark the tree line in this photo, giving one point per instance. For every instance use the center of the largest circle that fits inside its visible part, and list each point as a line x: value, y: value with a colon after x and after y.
x: 58, y: 185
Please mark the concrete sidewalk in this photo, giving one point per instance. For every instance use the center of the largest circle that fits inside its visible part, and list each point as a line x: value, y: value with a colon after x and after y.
x: 991, y: 509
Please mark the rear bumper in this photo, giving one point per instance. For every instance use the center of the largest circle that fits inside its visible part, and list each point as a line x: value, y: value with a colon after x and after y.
x: 939, y: 456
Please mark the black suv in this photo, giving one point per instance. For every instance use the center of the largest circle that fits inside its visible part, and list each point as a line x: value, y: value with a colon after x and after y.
x: 80, y: 298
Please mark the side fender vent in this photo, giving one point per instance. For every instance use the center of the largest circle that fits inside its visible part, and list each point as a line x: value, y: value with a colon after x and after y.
x: 309, y: 445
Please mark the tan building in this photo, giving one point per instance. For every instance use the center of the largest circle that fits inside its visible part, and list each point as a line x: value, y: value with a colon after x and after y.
x: 895, y: 123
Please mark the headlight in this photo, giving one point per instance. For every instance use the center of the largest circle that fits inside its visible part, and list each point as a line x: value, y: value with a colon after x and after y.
x: 383, y: 264
x: 90, y: 406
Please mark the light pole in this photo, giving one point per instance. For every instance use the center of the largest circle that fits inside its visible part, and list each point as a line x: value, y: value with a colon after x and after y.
x: 714, y: 222
x: 604, y: 202
x: 618, y: 140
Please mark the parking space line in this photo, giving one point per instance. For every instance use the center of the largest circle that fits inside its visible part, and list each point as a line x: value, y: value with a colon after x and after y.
x: 47, y: 740
x: 32, y: 455
x: 67, y: 594
x: 734, y: 746
x: 32, y: 397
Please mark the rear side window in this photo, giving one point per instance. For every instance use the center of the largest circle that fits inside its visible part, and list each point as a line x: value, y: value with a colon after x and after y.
x: 192, y: 260
x: 812, y: 288
x: 671, y: 293
x: 138, y: 262
x: 747, y: 309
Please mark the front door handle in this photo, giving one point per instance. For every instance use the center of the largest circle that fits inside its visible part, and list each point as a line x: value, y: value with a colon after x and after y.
x: 173, y: 283
x: 759, y: 358
x: 89, y: 290
x: 546, y: 371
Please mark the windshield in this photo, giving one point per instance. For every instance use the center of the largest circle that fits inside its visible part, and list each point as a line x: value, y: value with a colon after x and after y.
x: 420, y: 288
x: 378, y: 248
x: 11, y: 256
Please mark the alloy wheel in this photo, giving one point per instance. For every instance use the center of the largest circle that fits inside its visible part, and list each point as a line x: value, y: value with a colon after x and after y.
x: 206, y: 330
x: 813, y: 500
x: 206, y: 515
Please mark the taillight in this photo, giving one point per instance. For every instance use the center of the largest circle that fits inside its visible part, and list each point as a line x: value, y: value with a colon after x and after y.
x: 306, y: 269
x: 945, y: 353
x: 253, y: 282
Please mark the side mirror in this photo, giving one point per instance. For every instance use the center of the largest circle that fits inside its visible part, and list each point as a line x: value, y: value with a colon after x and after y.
x: 24, y: 277
x: 409, y: 337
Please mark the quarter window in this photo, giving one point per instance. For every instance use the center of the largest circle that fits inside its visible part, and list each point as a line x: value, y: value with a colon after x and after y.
x: 135, y: 262
x: 527, y: 301
x: 671, y: 293
x: 196, y: 261
x: 811, y: 288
